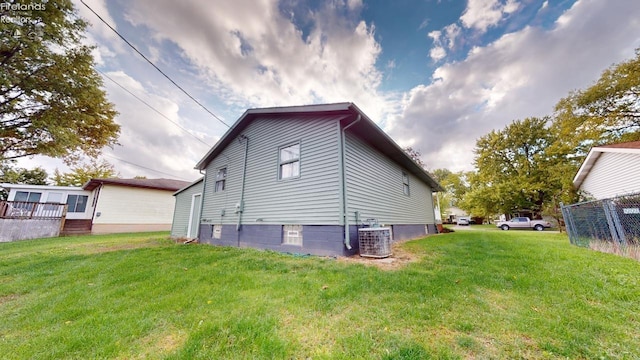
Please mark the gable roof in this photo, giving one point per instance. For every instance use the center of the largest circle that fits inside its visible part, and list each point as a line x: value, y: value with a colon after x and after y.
x: 632, y: 147
x: 365, y: 129
x: 157, y: 184
x: 189, y: 186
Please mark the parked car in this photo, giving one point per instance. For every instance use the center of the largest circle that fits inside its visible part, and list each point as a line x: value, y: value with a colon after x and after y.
x: 463, y: 221
x: 523, y: 223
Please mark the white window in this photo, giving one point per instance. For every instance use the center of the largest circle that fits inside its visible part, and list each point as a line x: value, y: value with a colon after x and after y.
x: 77, y: 203
x: 53, y: 197
x: 289, y: 161
x: 27, y: 196
x: 405, y: 183
x: 221, y: 178
x: 292, y: 235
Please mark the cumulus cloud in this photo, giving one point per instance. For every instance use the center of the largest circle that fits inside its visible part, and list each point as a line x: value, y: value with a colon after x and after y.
x: 482, y: 14
x: 521, y: 74
x: 146, y: 137
x: 255, y: 55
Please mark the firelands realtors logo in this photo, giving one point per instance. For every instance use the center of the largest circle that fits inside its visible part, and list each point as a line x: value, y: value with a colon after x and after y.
x: 18, y: 13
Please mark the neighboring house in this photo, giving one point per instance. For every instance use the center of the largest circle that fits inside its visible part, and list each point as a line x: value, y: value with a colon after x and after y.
x: 133, y: 205
x: 107, y: 205
x: 610, y: 170
x: 79, y: 206
x: 186, y: 215
x: 303, y: 179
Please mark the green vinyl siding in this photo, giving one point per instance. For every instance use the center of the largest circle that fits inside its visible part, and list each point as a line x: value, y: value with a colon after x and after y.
x: 182, y: 210
x: 313, y: 198
x: 375, y: 188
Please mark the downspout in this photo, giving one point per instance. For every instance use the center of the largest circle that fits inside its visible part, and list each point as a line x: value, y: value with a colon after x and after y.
x: 204, y: 188
x: 240, y: 205
x: 347, y: 240
x: 95, y: 204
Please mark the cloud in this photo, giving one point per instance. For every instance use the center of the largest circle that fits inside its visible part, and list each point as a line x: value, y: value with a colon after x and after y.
x: 254, y: 55
x: 521, y: 74
x: 482, y: 14
x: 147, y: 138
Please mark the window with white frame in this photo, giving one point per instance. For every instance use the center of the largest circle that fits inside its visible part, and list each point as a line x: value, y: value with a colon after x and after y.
x: 289, y: 161
x: 27, y: 196
x: 405, y: 183
x: 292, y: 235
x: 221, y: 179
x: 77, y: 203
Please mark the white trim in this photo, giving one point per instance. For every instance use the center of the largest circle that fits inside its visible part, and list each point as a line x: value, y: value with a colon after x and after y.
x: 593, y: 156
x: 616, y: 150
x: 40, y: 187
x: 193, y: 202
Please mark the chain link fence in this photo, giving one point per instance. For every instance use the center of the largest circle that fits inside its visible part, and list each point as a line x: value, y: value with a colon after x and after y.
x: 609, y: 225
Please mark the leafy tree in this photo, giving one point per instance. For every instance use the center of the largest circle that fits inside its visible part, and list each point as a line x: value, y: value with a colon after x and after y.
x: 512, y: 172
x: 606, y: 112
x: 415, y: 155
x: 455, y: 187
x: 84, y: 172
x: 481, y: 198
x: 51, y: 101
x: 11, y: 175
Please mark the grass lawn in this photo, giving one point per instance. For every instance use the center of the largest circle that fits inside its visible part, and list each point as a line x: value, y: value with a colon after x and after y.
x: 472, y: 294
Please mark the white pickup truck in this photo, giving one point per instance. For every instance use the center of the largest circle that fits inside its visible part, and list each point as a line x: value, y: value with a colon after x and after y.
x: 523, y: 223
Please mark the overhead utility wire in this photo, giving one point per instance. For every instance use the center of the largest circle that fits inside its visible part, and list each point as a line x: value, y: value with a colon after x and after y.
x: 154, y: 109
x: 143, y: 167
x: 152, y: 64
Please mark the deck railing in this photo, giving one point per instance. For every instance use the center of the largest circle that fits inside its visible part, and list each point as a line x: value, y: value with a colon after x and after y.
x: 32, y: 210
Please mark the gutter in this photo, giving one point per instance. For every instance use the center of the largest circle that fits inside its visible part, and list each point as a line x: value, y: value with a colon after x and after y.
x: 345, y: 217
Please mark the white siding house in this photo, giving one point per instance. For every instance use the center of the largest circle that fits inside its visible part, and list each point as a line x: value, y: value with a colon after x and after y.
x: 303, y: 179
x: 186, y: 215
x: 610, y: 170
x: 107, y: 205
x: 79, y: 201
x: 133, y: 205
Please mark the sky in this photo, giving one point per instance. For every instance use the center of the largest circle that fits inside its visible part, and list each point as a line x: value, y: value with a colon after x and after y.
x: 434, y: 74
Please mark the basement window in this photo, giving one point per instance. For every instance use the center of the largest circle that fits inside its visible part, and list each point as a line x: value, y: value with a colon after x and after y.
x: 289, y: 161
x: 217, y: 231
x: 292, y: 235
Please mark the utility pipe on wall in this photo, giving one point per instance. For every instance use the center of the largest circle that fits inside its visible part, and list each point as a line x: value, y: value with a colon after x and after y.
x: 240, y: 207
x: 347, y: 240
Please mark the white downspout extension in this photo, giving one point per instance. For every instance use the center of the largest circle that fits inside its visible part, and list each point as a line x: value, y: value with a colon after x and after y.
x: 240, y: 206
x: 204, y: 187
x: 347, y: 240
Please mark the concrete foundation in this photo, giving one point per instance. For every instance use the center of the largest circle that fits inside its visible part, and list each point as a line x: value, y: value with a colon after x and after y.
x: 24, y: 229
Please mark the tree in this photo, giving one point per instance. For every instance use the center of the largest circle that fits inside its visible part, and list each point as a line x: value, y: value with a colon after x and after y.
x: 51, y: 101
x: 455, y: 187
x: 415, y: 155
x: 84, y: 172
x: 10, y: 175
x: 512, y: 169
x: 606, y: 112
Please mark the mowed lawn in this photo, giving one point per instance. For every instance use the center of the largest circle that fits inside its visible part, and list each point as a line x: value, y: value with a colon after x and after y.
x: 471, y: 295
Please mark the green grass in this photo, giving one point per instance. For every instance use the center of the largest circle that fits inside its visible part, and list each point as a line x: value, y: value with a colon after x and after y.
x: 473, y: 294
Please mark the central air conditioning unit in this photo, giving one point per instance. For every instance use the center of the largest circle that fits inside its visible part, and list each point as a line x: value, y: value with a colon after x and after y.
x: 375, y: 242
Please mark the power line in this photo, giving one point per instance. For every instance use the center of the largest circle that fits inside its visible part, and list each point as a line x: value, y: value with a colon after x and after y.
x: 143, y: 167
x: 154, y: 109
x: 152, y: 64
